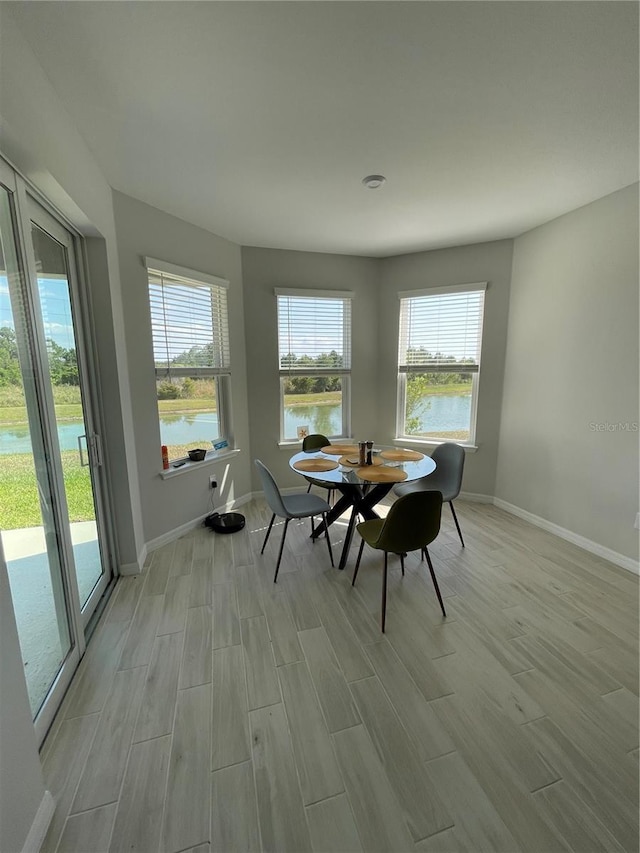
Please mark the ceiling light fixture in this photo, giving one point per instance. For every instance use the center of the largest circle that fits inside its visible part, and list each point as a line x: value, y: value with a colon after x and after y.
x: 372, y: 182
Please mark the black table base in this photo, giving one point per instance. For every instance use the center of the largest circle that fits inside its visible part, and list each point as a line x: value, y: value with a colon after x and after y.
x: 362, y: 500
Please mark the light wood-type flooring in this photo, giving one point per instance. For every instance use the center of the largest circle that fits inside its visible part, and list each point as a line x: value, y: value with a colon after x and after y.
x: 218, y: 711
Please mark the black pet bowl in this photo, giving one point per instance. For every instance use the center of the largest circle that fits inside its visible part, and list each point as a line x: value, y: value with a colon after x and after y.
x: 197, y: 455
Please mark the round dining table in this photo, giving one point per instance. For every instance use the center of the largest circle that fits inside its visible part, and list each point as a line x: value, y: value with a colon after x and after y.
x: 361, y: 487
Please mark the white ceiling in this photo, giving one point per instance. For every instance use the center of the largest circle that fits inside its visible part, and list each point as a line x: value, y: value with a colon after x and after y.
x: 258, y: 120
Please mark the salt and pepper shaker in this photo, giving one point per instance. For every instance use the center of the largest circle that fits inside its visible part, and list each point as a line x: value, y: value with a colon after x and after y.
x: 369, y: 452
x: 362, y: 448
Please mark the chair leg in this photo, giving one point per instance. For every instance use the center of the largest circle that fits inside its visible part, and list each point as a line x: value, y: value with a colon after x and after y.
x: 309, y: 488
x: 402, y: 563
x: 264, y: 544
x: 455, y: 518
x: 384, y: 591
x: 326, y: 533
x: 313, y: 530
x: 435, y: 582
x: 355, y: 571
x: 284, y: 533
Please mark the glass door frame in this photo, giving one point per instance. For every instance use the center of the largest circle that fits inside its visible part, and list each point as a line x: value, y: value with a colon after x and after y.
x: 29, y: 206
x: 43, y: 219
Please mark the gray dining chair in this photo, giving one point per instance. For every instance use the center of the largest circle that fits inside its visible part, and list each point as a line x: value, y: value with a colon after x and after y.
x: 447, y: 478
x: 299, y: 505
x: 316, y: 441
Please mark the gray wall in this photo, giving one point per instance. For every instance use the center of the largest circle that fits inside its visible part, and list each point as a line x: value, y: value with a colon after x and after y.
x: 489, y: 262
x: 265, y: 269
x: 145, y: 231
x: 572, y: 362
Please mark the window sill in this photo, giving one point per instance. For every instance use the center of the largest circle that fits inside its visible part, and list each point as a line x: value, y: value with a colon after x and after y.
x: 211, y: 457
x: 432, y: 442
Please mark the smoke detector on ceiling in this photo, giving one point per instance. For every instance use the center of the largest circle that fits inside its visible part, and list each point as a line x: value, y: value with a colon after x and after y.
x: 372, y: 182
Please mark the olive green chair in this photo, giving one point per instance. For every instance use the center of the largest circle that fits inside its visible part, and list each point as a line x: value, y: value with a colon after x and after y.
x: 413, y: 523
x: 310, y: 443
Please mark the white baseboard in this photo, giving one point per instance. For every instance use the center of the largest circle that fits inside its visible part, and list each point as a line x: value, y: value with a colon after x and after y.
x: 40, y: 824
x: 472, y: 497
x: 614, y: 557
x: 177, y: 532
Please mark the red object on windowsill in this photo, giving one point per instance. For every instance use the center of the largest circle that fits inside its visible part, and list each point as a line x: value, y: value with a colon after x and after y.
x: 165, y: 457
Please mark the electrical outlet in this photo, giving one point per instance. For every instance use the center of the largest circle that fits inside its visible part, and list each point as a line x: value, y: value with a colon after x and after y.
x: 637, y: 524
x: 213, y: 483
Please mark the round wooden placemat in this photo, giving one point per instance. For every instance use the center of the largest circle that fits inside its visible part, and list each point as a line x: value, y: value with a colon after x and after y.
x: 383, y: 474
x: 339, y: 449
x: 354, y: 461
x: 315, y: 465
x: 402, y: 455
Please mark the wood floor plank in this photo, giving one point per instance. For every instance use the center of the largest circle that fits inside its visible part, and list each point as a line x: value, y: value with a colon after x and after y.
x: 142, y: 633
x: 230, y: 729
x: 377, y: 813
x: 90, y: 830
x: 106, y: 762
x: 93, y: 679
x: 156, y: 583
x: 201, y: 590
x: 182, y: 557
x: 611, y: 795
x: 188, y: 801
x: 562, y: 806
x: 332, y: 827
x: 303, y: 610
x: 342, y: 637
x: 500, y: 775
x: 329, y: 681
x: 262, y: 681
x: 281, y: 814
x: 125, y: 599
x: 138, y: 820
x: 477, y: 823
x: 282, y: 629
x: 624, y: 706
x: 425, y: 813
x: 62, y: 769
x: 160, y: 690
x: 248, y: 589
x: 621, y: 662
x: 318, y: 773
x: 226, y: 625
x: 421, y: 722
x: 176, y: 598
x: 234, y: 817
x: 195, y: 668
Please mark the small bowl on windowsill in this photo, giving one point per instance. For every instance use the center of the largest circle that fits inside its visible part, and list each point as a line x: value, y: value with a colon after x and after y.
x: 197, y: 455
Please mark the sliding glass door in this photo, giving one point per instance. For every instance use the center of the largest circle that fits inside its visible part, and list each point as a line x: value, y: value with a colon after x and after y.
x: 54, y: 536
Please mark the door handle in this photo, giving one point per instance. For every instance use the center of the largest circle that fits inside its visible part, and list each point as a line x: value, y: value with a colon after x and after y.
x: 83, y: 464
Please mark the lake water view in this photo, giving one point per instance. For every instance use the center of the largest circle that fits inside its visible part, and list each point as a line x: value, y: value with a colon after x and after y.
x: 446, y: 413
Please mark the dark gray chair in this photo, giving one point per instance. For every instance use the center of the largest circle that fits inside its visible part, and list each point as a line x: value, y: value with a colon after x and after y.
x: 447, y: 478
x: 316, y: 441
x: 302, y: 505
x: 413, y: 523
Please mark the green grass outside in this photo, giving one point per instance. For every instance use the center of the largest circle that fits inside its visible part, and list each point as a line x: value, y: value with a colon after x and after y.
x: 19, y: 491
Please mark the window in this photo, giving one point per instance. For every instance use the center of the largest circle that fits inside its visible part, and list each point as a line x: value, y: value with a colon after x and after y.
x: 439, y: 362
x: 314, y: 356
x: 190, y: 331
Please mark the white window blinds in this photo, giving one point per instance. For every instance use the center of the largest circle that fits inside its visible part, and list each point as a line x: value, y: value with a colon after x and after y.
x: 189, y: 320
x: 441, y: 327
x: 314, y: 331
